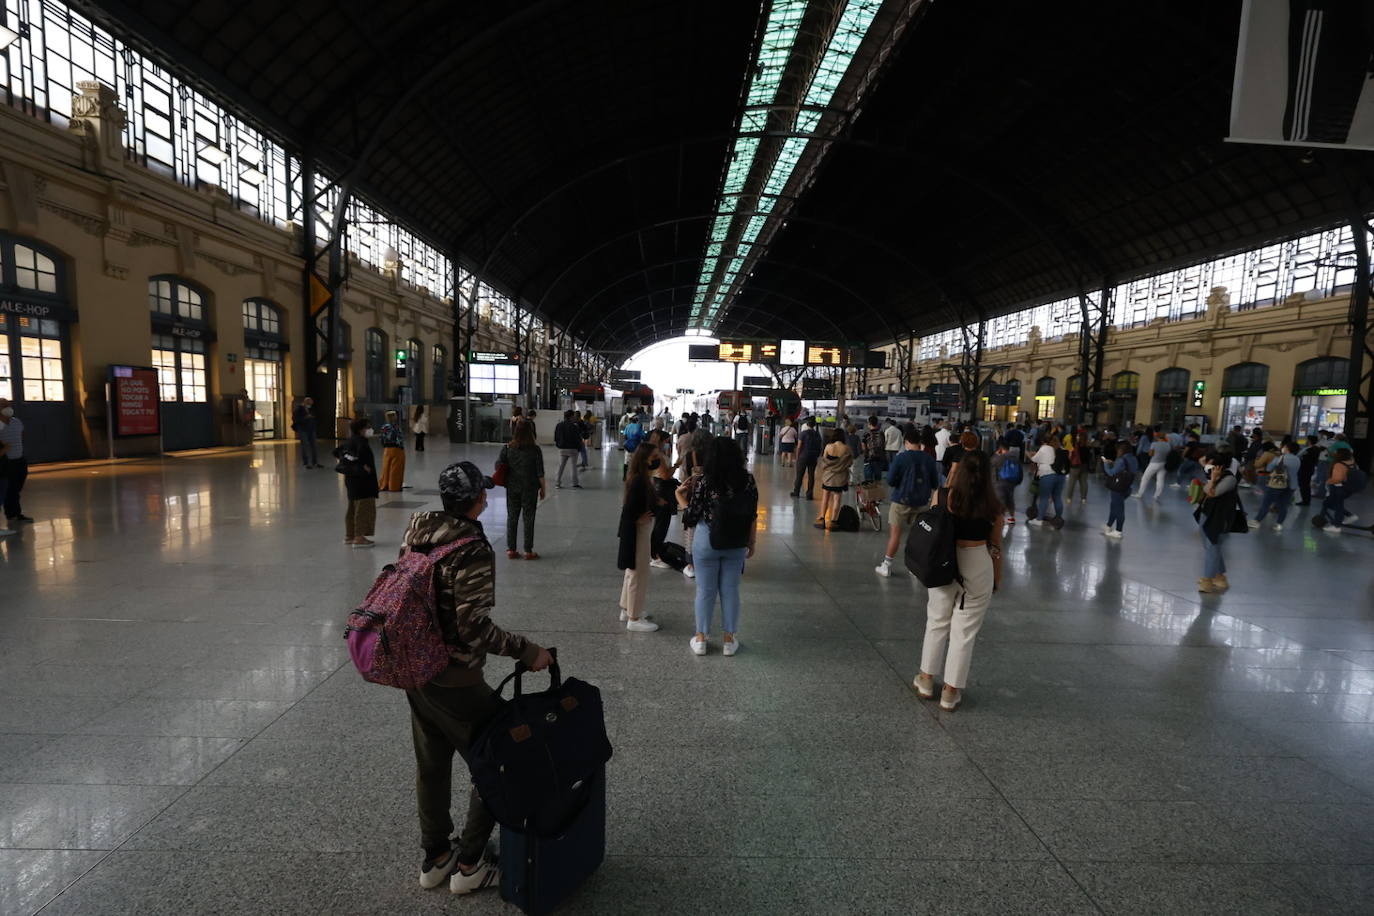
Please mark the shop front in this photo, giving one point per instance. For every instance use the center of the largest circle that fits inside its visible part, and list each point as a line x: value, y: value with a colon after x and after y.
x: 1319, y: 393
x: 181, y: 338
x: 1171, y: 398
x: 1244, y: 395
x: 35, y: 348
x: 1124, y: 395
x: 264, y: 352
x: 1044, y: 399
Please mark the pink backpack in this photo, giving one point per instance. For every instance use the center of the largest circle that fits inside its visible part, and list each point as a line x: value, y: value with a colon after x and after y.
x: 394, y: 637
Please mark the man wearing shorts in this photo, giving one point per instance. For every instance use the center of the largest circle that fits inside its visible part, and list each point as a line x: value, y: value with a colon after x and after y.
x: 912, y: 477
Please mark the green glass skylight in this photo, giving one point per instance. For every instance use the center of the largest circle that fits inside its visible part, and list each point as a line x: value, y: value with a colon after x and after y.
x: 720, y: 272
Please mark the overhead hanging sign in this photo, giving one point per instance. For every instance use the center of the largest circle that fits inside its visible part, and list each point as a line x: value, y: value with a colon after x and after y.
x: 1301, y: 75
x: 624, y: 375
x: 896, y: 404
x: 134, y: 403
x: 486, y: 356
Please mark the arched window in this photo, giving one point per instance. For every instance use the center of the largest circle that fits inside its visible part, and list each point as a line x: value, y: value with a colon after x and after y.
x: 1124, y: 382
x: 414, y: 377
x: 263, y: 317
x: 1322, y: 373
x: 1045, y: 387
x: 1171, y: 381
x: 1245, y: 378
x: 177, y: 299
x: 33, y: 271
x: 374, y: 378
x: 438, y: 363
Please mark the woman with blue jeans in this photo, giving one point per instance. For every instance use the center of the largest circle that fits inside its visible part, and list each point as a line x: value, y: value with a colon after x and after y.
x: 1215, y: 517
x: 1051, y: 482
x: 1113, y: 465
x: 720, y: 549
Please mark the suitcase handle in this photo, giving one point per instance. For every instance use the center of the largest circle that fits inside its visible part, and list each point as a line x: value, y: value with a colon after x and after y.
x: 555, y: 675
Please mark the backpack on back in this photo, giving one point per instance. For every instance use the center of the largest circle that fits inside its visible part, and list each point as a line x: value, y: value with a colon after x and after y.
x: 1010, y: 472
x: 634, y: 434
x: 1061, y: 461
x: 1121, y: 481
x: 930, y: 551
x: 732, y: 520
x: 1278, y: 476
x: 394, y: 636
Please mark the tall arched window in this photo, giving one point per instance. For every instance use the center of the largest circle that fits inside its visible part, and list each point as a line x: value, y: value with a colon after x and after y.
x: 438, y: 362
x: 262, y: 316
x: 1320, y: 388
x: 181, y: 333
x: 1171, y: 397
x: 1044, y: 398
x: 415, y: 377
x: 263, y: 345
x: 374, y: 377
x: 1244, y: 396
x: 34, y: 271
x: 176, y: 298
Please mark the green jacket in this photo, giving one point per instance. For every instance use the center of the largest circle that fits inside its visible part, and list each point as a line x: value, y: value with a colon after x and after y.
x: 526, y: 467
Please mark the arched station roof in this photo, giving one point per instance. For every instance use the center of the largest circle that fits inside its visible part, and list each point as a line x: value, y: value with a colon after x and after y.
x: 992, y: 154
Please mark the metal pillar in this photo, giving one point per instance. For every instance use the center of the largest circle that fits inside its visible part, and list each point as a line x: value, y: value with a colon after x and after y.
x: 1360, y: 384
x: 1092, y: 349
x: 319, y: 295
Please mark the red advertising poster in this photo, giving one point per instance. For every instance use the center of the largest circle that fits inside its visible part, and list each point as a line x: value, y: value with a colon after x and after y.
x: 134, y: 401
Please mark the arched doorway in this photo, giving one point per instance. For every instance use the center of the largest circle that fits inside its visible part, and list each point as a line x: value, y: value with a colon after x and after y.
x: 264, y: 349
x: 1044, y: 398
x: 1244, y: 393
x: 1171, y: 398
x: 181, y: 341
x: 1319, y: 388
x: 1073, y: 400
x: 35, y: 347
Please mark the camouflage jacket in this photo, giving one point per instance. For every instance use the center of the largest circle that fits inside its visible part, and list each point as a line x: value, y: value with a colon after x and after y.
x: 465, y: 593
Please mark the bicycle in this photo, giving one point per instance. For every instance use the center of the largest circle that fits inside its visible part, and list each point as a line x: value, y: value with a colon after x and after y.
x: 870, y: 494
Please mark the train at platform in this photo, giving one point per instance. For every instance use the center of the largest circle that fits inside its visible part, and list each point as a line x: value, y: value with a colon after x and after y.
x: 780, y: 403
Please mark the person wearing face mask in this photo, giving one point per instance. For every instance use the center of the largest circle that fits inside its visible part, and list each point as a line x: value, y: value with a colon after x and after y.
x: 18, y: 466
x: 1215, y: 517
x: 359, y: 469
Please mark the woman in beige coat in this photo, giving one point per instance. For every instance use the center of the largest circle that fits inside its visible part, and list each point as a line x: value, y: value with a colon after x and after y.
x: 836, y: 462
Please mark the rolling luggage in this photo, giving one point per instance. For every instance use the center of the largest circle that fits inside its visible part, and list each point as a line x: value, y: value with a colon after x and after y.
x: 539, y: 872
x: 534, y: 763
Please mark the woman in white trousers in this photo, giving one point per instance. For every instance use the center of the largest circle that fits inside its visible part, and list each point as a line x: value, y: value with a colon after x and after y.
x: 955, y: 612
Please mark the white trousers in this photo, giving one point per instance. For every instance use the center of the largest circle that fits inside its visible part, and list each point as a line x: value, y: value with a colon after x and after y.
x: 954, y: 615
x: 1153, y: 471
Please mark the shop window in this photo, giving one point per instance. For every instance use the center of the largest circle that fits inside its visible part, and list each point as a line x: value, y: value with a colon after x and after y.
x: 1326, y: 372
x: 1246, y: 377
x: 180, y: 365
x: 34, y: 270
x: 1172, y: 381
x: 42, y: 362
x: 1044, y: 387
x: 173, y: 296
x: 262, y: 316
x: 374, y: 350
x: 439, y: 368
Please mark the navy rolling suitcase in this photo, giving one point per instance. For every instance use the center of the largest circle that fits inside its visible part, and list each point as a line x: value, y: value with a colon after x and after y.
x: 540, y: 872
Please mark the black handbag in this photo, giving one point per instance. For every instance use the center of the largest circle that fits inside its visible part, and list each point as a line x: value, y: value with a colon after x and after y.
x: 534, y: 763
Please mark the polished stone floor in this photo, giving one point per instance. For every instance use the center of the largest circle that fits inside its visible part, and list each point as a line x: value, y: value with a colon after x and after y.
x: 181, y: 732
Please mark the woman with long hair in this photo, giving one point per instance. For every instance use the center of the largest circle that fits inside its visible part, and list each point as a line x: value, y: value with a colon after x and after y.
x: 955, y: 612
x: 692, y: 459
x: 1215, y: 516
x: 359, y: 469
x: 524, y: 486
x: 636, y: 529
x: 836, y: 462
x: 393, y: 436
x: 725, y: 485
x: 665, y: 484
x: 420, y: 427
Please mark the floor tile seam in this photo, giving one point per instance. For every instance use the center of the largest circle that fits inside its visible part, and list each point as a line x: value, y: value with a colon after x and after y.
x: 69, y: 885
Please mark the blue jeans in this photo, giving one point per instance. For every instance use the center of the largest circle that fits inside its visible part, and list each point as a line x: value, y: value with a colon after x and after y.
x: 1274, y: 497
x: 1187, y: 470
x: 718, y: 573
x: 1052, y: 487
x: 1333, y: 506
x: 1116, y: 515
x: 310, y: 454
x: 1213, y: 563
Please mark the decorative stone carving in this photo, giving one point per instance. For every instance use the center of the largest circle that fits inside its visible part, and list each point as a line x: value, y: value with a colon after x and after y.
x: 93, y: 225
x: 1218, y: 302
x: 99, y: 121
x: 1247, y: 347
x: 228, y: 268
x: 116, y: 271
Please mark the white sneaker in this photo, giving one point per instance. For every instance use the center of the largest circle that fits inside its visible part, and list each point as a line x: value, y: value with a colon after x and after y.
x: 8, y: 531
x: 1278, y: 526
x: 1083, y: 501
x: 432, y: 874
x: 642, y: 625
x: 884, y: 569
x: 1351, y: 519
x: 730, y: 648
x: 689, y: 572
x: 1332, y: 529
x: 1036, y: 523
x: 1253, y: 523
x: 1175, y: 486
x: 698, y: 646
x: 1107, y: 529
x: 1115, y: 535
x: 659, y: 564
x: 1137, y: 495
x: 486, y: 875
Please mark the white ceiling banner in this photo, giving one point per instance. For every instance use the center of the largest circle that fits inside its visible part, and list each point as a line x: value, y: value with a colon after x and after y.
x: 1303, y: 74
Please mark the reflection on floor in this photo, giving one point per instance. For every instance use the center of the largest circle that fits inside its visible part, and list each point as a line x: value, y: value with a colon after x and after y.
x: 180, y: 731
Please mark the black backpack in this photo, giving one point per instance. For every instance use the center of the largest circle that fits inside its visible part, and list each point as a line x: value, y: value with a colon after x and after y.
x: 1061, y: 461
x: 847, y: 519
x: 534, y: 763
x: 732, y: 519
x: 930, y: 552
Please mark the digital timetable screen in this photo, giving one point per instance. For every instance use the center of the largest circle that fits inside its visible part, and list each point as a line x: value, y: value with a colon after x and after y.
x: 747, y: 351
x: 821, y: 355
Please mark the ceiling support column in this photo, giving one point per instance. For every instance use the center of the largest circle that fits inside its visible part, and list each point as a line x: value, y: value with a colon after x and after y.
x: 320, y: 296
x: 1092, y: 350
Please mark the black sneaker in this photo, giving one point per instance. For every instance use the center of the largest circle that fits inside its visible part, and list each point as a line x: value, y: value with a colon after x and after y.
x: 577, y: 486
x: 20, y: 518
x: 433, y: 874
